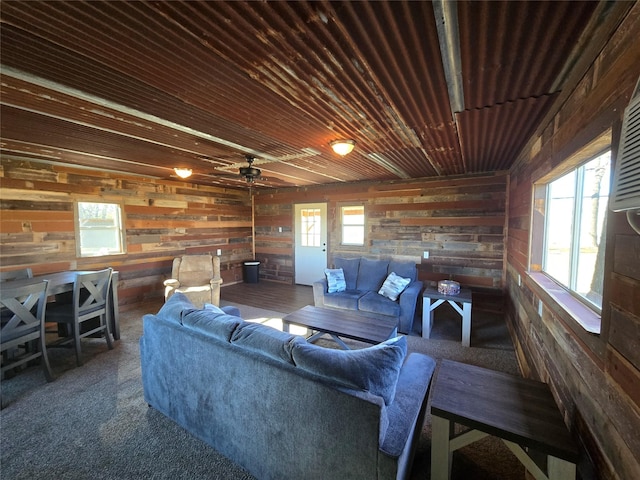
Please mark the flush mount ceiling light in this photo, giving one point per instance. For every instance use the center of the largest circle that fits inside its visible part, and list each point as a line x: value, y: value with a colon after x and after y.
x: 342, y: 147
x: 183, y: 172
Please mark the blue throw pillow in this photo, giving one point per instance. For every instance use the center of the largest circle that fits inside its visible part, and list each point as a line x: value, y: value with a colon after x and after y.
x: 393, y: 286
x: 374, y: 369
x: 335, y: 280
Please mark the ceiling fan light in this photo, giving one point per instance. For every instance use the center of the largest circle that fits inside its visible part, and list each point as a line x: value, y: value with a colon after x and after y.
x: 343, y: 147
x: 183, y: 172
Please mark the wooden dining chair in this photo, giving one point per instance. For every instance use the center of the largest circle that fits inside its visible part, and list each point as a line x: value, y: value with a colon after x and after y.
x: 8, y: 275
x: 24, y: 327
x: 89, y: 301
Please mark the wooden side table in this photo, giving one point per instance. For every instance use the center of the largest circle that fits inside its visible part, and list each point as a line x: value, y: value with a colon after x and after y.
x: 520, y: 411
x: 432, y: 299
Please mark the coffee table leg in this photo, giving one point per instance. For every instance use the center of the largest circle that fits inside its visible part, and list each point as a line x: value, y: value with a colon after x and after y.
x: 440, y: 454
x: 285, y: 326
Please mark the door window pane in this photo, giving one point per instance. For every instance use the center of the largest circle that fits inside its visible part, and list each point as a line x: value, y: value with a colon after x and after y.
x: 310, y: 231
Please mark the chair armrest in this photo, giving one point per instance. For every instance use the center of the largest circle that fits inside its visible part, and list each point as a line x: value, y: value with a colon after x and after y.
x: 320, y: 287
x: 215, y: 281
x: 172, y: 282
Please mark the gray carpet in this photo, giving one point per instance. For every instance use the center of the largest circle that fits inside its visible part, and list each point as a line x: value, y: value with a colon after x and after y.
x: 92, y: 421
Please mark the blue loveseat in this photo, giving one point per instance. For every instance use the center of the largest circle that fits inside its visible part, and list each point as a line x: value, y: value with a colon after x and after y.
x: 364, y: 277
x: 281, y: 407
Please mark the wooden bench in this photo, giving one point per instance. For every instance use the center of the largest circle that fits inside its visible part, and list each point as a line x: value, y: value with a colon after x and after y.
x: 520, y: 411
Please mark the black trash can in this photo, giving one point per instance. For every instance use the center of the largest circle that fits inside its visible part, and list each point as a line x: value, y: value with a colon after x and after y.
x: 251, y: 271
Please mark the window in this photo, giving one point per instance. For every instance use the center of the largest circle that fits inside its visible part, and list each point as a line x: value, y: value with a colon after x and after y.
x: 573, y: 242
x: 353, y: 225
x: 310, y: 227
x: 99, y: 229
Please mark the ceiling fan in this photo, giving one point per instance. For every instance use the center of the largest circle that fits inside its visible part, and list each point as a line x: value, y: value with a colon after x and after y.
x: 250, y: 173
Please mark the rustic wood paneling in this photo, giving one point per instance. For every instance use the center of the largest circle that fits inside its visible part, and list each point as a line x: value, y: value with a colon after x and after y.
x: 459, y: 220
x: 163, y: 219
x: 595, y: 378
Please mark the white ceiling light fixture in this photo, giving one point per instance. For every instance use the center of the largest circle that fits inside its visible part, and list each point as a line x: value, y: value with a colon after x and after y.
x: 183, y: 172
x: 343, y: 147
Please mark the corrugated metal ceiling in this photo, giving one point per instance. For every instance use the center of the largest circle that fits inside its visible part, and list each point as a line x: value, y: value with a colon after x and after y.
x: 201, y: 84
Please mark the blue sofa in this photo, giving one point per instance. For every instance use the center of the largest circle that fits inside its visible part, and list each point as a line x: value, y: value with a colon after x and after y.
x: 278, y: 406
x: 364, y: 277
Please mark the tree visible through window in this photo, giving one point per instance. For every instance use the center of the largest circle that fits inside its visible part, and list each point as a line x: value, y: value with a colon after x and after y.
x: 99, y: 229
x: 575, y: 225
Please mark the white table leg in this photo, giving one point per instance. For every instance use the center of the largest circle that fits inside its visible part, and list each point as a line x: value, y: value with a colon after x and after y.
x: 427, y: 317
x: 466, y: 324
x: 559, y: 469
x: 440, y: 454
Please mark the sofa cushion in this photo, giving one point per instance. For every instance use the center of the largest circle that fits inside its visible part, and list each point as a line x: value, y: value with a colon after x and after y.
x: 266, y: 340
x: 347, y: 299
x: 374, y: 369
x: 371, y: 274
x: 350, y: 268
x: 393, y: 286
x: 375, y: 303
x: 404, y: 269
x: 335, y: 280
x: 217, y: 325
x: 213, y: 308
x: 174, y: 306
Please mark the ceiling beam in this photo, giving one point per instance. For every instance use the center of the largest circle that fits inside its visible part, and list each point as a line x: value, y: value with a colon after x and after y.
x: 446, y: 15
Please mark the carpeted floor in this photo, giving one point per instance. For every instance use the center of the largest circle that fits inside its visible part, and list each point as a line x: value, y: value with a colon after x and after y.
x: 92, y: 421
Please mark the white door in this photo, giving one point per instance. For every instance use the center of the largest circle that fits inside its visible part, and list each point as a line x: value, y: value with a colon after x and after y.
x: 311, y: 242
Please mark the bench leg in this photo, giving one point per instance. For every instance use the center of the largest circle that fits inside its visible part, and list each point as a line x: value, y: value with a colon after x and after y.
x: 440, y: 452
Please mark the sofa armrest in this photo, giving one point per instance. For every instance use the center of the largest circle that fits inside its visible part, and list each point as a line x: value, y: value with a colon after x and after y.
x: 215, y: 281
x: 408, y: 302
x: 320, y: 287
x: 407, y: 412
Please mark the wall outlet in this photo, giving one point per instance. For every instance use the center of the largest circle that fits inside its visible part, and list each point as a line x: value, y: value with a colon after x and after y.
x: 219, y: 252
x: 425, y: 254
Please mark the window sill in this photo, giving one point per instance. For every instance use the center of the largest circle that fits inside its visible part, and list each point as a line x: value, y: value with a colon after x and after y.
x: 572, y: 308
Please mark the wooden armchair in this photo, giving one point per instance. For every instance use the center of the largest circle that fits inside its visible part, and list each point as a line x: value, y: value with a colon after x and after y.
x: 196, y: 276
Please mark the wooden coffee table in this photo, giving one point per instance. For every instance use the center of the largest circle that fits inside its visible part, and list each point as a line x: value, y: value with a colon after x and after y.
x: 342, y: 323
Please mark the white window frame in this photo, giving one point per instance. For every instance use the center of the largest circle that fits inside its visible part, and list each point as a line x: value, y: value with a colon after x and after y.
x: 116, y: 230
x: 585, y: 313
x: 344, y: 226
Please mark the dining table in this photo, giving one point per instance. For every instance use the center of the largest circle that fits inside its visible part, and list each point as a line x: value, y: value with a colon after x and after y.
x: 62, y: 282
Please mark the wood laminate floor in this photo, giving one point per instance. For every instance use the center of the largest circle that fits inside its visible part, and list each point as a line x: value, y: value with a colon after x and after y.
x: 269, y: 295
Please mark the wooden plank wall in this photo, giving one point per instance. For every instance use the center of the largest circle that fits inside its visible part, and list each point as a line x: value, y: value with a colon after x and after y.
x: 163, y: 219
x: 595, y: 378
x: 459, y: 220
